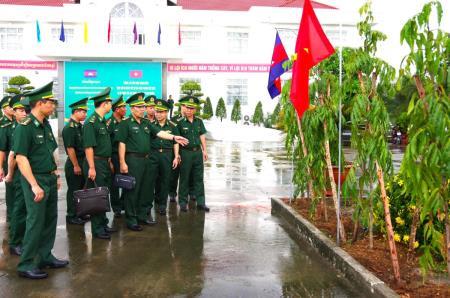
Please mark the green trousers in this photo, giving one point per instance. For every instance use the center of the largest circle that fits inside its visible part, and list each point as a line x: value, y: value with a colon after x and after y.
x: 160, y: 171
x: 41, y: 221
x: 191, y: 168
x: 117, y: 199
x: 74, y: 182
x: 137, y: 199
x: 102, y: 178
x: 19, y: 213
x: 9, y: 192
x: 173, y: 182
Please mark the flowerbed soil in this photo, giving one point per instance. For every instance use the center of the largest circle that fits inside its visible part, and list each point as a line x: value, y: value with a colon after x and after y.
x: 378, y: 259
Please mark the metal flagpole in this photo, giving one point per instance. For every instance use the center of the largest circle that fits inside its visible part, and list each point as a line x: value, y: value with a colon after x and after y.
x: 339, y: 134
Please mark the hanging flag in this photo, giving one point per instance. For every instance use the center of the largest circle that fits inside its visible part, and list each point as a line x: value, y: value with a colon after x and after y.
x: 62, y: 36
x: 312, y: 46
x: 279, y: 56
x: 135, y: 33
x: 179, y: 34
x: 109, y: 29
x: 86, y: 36
x: 159, y: 34
x: 38, y: 31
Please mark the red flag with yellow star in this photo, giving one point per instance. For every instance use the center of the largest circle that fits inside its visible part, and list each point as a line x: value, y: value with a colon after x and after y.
x: 312, y: 46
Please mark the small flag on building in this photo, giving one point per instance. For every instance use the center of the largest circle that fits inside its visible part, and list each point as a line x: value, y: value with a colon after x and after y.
x: 86, y: 36
x: 62, y: 36
x: 136, y: 74
x: 135, y: 33
x: 38, y: 31
x: 279, y: 56
x: 159, y: 33
x: 109, y: 29
x: 90, y: 73
x: 179, y: 34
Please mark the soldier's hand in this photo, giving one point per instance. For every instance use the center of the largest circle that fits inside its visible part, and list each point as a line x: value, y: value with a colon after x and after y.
x: 77, y: 170
x: 124, y: 168
x: 175, y: 162
x: 2, y: 175
x: 205, y: 156
x: 8, y: 178
x: 92, y: 174
x: 38, y: 193
x: 182, y: 141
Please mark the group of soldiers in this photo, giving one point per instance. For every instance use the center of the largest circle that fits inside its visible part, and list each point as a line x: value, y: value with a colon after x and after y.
x: 146, y: 145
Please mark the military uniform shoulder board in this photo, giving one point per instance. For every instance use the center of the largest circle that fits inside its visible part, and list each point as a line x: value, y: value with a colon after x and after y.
x: 92, y: 119
x: 71, y: 124
x: 25, y: 121
x: 108, y: 122
x: 126, y: 118
x: 6, y: 124
x: 172, y: 123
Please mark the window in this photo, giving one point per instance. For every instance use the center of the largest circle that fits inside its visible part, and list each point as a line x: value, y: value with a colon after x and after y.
x: 11, y: 38
x: 288, y: 38
x: 68, y: 33
x: 237, y: 42
x: 5, y: 85
x: 237, y: 89
x: 191, y: 41
x: 123, y: 17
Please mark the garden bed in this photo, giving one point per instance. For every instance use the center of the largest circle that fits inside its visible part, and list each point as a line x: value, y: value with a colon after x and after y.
x: 378, y: 260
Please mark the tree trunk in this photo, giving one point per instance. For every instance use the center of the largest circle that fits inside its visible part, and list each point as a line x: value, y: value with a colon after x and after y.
x: 389, y: 229
x: 412, y: 234
x: 355, y: 228
x: 333, y: 185
x: 370, y: 215
x: 305, y: 153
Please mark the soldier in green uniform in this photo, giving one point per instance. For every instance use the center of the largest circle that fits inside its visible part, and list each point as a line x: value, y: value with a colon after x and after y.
x: 97, y: 165
x: 72, y: 135
x: 5, y: 127
x: 193, y: 155
x: 34, y: 145
x: 164, y: 156
x: 119, y: 110
x: 134, y: 147
x: 19, y: 212
x: 150, y: 108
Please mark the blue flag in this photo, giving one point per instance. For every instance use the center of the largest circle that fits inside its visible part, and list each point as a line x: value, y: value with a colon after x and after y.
x: 279, y: 56
x: 62, y: 36
x: 38, y: 32
x: 159, y: 34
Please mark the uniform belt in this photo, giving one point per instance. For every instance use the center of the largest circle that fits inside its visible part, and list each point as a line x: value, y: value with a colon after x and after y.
x: 138, y: 155
x: 160, y: 150
x: 196, y: 148
x: 100, y: 157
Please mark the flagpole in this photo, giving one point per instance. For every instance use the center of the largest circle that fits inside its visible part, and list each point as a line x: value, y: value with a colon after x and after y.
x: 339, y: 135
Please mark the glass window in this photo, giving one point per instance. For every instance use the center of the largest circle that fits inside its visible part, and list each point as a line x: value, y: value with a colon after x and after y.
x: 237, y: 42
x: 126, y: 10
x: 124, y: 15
x: 11, y: 38
x: 237, y: 89
x: 68, y: 33
x: 5, y: 85
x: 191, y: 41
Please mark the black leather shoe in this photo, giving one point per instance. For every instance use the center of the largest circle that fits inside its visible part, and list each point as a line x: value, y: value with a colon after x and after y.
x: 103, y: 235
x: 33, y: 274
x: 162, y: 212
x: 110, y: 230
x: 147, y: 222
x: 136, y: 228
x: 55, y: 264
x: 183, y: 209
x: 172, y: 199
x: 203, y: 208
x: 75, y: 221
x: 15, y: 250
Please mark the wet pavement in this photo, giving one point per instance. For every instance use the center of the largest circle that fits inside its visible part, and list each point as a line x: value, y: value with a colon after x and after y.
x: 237, y: 250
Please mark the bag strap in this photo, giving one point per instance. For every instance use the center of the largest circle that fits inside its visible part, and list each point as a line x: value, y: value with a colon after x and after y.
x: 85, y: 183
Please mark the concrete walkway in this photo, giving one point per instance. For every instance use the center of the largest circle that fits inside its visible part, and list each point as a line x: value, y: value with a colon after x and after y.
x: 236, y: 250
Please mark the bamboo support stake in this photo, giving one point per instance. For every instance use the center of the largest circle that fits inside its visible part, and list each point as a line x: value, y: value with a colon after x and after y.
x: 305, y: 153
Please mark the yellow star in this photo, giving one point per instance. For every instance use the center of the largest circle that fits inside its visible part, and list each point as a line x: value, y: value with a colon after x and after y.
x: 294, y: 57
x: 306, y: 50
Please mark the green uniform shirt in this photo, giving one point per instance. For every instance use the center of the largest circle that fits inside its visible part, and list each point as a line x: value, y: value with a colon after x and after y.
x: 35, y: 141
x: 191, y: 131
x: 136, y: 136
x: 72, y: 135
x: 6, y: 131
x: 96, y: 135
x: 158, y: 143
x: 113, y: 129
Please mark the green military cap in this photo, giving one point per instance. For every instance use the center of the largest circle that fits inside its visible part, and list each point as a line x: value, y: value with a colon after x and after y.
x: 5, y: 101
x: 136, y: 100
x: 102, y: 96
x: 150, y: 100
x: 118, y: 103
x: 45, y: 92
x: 79, y: 105
x: 190, y: 101
x: 19, y: 101
x: 162, y: 105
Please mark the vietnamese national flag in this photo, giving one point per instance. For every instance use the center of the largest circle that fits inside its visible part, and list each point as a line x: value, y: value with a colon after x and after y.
x: 312, y: 46
x: 136, y: 74
x: 279, y: 56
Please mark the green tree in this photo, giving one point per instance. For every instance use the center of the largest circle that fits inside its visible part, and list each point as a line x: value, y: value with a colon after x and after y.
x: 236, y: 111
x: 18, y: 84
x: 191, y: 88
x: 275, y: 115
x: 221, y: 110
x: 258, y: 115
x: 207, y: 109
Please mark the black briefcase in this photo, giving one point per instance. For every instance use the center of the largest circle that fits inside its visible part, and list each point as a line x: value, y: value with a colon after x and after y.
x: 91, y: 201
x: 124, y: 181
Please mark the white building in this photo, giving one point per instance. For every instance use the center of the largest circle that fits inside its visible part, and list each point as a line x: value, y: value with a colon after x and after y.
x: 225, y: 45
